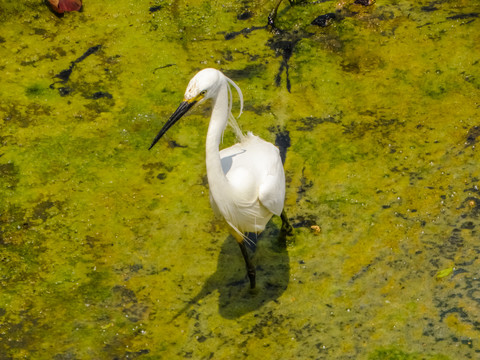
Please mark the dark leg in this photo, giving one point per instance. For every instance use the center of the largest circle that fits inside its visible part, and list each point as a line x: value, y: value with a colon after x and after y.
x: 249, y: 264
x: 287, y: 229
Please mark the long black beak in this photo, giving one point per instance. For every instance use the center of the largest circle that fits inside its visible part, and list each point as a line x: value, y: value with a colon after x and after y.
x: 181, y: 110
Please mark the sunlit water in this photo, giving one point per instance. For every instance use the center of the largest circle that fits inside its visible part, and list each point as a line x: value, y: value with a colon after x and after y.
x: 111, y: 251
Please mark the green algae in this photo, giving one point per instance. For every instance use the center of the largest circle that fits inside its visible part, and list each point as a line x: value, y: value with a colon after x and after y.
x: 396, y: 354
x: 111, y: 251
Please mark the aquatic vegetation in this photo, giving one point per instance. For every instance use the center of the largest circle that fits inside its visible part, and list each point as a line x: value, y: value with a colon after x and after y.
x: 108, y: 250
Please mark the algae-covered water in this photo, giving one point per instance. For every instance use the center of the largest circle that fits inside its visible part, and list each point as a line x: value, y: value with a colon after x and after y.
x: 111, y: 251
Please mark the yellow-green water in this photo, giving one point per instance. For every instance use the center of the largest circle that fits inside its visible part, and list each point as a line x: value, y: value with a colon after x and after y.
x: 111, y: 251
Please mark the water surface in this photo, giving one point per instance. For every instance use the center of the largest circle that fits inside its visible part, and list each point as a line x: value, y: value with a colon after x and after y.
x: 108, y: 250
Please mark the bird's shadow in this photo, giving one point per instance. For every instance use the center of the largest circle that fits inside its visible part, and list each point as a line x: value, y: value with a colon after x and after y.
x: 235, y: 296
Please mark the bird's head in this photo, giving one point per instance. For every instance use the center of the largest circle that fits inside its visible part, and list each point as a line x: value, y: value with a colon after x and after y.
x: 204, y: 85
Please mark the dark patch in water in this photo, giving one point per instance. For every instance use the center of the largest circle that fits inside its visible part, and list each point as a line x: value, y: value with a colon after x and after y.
x: 249, y: 71
x: 452, y: 244
x: 101, y: 94
x: 13, y: 217
x: 163, y: 67
x: 9, y: 175
x: 472, y: 135
x: 273, y: 277
x: 173, y: 144
x: 155, y: 8
x: 87, y: 53
x: 157, y: 165
x: 263, y: 323
x: 463, y: 16
x: 364, y: 270
x: 365, y: 2
x: 64, y: 90
x: 456, y: 310
x: 246, y: 31
x: 127, y: 300
x: 382, y: 125
x: 468, y: 225
x: 23, y: 116
x: 201, y: 338
x: 259, y: 110
x: 134, y: 354
x: 284, y: 46
x: 458, y: 272
x: 310, y: 122
x: 64, y: 75
x: 324, y: 20
x: 283, y: 42
x: 245, y: 15
x: 136, y: 268
x: 41, y: 210
x: 429, y: 8
x: 151, y: 170
x: 305, y: 184
x: 461, y: 301
x: 34, y: 90
x: 282, y: 141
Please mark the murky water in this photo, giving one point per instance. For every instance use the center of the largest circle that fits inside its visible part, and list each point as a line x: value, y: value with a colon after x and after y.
x: 111, y: 251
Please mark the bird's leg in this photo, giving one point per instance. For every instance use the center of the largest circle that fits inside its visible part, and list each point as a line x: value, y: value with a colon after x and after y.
x: 287, y: 229
x: 248, y: 262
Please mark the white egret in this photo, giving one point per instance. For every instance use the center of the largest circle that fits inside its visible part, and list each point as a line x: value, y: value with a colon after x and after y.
x: 246, y: 180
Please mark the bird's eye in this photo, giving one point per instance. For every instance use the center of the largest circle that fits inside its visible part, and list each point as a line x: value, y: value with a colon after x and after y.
x: 203, y: 92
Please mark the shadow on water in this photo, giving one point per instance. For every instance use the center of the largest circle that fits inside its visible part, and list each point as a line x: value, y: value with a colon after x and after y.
x: 235, y: 296
x: 270, y: 257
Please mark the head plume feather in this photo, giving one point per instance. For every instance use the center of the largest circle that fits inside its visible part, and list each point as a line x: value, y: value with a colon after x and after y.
x: 231, y: 119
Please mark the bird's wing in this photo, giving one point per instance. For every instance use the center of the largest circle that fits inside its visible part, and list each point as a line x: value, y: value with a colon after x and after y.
x: 271, y: 192
x: 255, y: 165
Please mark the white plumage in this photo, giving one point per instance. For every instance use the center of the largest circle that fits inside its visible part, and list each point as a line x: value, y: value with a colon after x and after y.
x: 246, y: 180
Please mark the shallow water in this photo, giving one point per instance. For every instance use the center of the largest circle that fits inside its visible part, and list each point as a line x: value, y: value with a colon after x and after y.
x: 109, y: 250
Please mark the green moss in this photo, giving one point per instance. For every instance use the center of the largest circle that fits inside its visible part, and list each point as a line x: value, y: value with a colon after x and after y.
x: 109, y: 250
x: 36, y: 90
x: 397, y: 354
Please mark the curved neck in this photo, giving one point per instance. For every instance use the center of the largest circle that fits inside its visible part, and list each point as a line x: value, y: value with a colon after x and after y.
x: 218, y: 122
